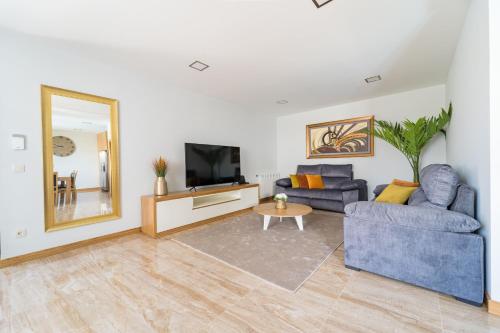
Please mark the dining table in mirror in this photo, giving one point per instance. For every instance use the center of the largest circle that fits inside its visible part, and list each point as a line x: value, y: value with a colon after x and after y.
x: 80, y: 148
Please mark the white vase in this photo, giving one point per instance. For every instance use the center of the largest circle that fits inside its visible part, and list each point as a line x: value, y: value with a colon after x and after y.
x: 161, y: 187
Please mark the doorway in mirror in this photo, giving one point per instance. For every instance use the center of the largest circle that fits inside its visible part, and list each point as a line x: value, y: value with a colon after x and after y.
x: 80, y: 154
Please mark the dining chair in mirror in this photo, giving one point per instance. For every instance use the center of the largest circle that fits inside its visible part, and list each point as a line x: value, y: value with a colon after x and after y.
x: 81, y: 158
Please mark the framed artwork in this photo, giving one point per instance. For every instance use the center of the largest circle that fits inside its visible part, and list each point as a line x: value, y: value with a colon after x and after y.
x: 342, y: 138
x: 321, y: 3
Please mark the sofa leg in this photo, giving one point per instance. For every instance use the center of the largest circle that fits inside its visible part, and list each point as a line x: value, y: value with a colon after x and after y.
x: 352, y: 267
x: 469, y: 302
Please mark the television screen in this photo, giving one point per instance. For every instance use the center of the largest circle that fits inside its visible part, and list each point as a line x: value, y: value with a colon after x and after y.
x: 210, y: 164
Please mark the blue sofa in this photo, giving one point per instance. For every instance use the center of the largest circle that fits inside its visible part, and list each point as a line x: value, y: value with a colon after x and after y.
x: 432, y: 242
x: 340, y: 187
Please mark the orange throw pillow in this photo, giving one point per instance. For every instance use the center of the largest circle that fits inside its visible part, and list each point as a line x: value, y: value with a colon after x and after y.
x: 303, y: 181
x: 295, y: 181
x: 315, y: 182
x: 405, y: 183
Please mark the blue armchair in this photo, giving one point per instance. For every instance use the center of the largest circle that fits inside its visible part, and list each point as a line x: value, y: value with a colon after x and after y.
x: 432, y: 242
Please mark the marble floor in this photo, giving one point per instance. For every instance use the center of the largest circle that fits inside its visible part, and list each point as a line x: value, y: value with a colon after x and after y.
x: 140, y: 284
x: 85, y: 204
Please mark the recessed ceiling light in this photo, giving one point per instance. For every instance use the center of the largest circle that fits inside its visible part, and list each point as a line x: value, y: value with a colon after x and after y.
x: 372, y: 79
x: 283, y: 101
x: 321, y: 3
x: 198, y: 65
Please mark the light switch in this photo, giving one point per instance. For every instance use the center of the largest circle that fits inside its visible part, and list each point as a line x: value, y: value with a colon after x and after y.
x: 18, y: 168
x: 18, y: 142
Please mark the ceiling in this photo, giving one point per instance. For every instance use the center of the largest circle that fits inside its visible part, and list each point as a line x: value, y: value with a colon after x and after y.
x: 262, y: 51
x: 73, y: 114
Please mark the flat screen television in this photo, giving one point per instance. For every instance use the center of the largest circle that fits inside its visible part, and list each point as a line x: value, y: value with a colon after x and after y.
x: 211, y: 164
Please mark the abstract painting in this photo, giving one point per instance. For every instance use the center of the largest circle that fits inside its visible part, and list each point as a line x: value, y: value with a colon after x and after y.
x: 342, y: 138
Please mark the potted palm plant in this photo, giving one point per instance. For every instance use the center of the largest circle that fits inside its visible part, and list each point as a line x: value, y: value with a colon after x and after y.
x: 160, y: 169
x: 410, y: 137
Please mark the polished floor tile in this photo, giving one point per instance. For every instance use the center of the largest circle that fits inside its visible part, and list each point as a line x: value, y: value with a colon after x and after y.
x: 140, y: 284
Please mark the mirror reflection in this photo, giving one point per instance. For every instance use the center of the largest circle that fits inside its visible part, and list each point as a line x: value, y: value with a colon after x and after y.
x: 81, y: 160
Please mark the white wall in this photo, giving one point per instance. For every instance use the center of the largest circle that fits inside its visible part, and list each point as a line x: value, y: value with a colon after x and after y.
x: 155, y: 118
x: 388, y: 163
x: 468, y: 144
x: 85, y: 159
x: 494, y: 21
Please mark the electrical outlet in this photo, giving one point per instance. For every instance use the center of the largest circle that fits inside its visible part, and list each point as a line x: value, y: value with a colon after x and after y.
x: 21, y: 233
x: 19, y: 168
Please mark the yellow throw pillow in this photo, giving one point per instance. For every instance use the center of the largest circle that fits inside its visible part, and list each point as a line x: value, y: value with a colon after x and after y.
x: 315, y: 182
x: 295, y: 181
x: 395, y: 194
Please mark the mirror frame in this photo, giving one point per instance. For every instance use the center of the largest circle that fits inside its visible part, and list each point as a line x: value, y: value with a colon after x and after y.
x: 47, y: 93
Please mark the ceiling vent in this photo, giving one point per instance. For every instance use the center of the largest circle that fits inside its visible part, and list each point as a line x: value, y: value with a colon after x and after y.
x: 373, y: 79
x: 321, y: 3
x: 199, y: 66
x: 283, y: 101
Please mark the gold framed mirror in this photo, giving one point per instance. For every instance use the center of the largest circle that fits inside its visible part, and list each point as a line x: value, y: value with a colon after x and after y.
x: 80, y: 158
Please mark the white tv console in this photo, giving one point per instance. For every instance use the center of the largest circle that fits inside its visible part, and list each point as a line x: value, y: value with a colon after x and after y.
x: 179, y: 211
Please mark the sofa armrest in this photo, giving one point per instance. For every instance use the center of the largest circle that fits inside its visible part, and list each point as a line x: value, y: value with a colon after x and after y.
x: 284, y: 182
x: 379, y: 189
x: 359, y: 185
x: 413, y: 216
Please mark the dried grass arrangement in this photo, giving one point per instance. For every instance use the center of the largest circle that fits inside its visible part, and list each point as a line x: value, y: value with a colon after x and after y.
x: 160, y: 167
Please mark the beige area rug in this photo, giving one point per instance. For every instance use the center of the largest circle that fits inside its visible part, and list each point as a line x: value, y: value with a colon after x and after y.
x: 282, y: 255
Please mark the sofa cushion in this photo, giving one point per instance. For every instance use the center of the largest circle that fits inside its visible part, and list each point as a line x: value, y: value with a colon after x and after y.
x: 315, y: 182
x: 464, y: 200
x: 439, y: 182
x: 337, y: 170
x: 294, y: 180
x: 309, y: 169
x: 419, y: 199
x: 299, y: 200
x: 303, y: 181
x: 334, y: 183
x: 411, y: 216
x: 331, y: 183
x: 284, y: 182
x: 332, y: 205
x: 354, y: 184
x: 315, y: 194
x: 400, y: 182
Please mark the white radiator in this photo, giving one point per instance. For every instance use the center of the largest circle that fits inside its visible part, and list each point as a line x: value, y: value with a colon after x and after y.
x: 266, y: 182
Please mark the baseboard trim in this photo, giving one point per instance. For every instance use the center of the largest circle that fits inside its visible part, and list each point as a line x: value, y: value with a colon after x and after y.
x: 493, y: 306
x: 219, y: 218
x: 88, y: 189
x: 63, y: 248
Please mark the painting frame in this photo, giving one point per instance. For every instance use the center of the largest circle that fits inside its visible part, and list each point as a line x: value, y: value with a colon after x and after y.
x: 312, y: 153
x: 319, y: 5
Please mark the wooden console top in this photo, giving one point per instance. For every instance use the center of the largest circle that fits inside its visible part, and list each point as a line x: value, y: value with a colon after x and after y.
x: 200, y: 192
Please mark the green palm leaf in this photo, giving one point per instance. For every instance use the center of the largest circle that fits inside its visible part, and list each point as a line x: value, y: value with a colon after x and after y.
x: 410, y: 137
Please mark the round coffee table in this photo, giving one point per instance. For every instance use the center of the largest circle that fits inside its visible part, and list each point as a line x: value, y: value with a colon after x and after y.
x: 269, y: 210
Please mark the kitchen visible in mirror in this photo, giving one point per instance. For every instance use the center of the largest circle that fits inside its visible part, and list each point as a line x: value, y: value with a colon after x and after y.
x: 80, y: 133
